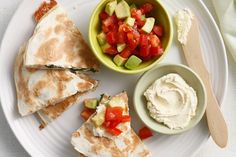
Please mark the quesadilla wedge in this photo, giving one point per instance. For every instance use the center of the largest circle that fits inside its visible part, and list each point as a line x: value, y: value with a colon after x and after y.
x: 94, y: 140
x: 51, y: 112
x: 58, y: 43
x: 37, y: 89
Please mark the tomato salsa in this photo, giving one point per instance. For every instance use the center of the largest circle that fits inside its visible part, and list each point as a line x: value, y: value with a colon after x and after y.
x: 128, y: 34
x: 43, y: 9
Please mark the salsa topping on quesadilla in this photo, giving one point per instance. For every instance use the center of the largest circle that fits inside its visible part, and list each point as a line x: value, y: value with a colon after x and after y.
x: 43, y: 9
x: 108, y: 132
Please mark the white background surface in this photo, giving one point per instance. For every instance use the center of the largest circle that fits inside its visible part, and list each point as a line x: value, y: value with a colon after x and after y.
x: 10, y: 147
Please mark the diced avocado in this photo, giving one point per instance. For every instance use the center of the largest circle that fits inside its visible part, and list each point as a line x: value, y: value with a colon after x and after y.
x: 132, y: 6
x: 99, y: 118
x: 101, y: 38
x: 133, y: 62
x: 118, y: 60
x: 120, y: 47
x: 148, y: 26
x: 143, y: 18
x: 122, y: 10
x: 110, y: 7
x: 117, y: 102
x: 105, y: 46
x: 91, y: 103
x: 130, y: 21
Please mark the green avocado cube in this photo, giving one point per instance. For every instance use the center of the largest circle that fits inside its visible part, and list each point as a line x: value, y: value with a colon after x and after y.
x: 130, y: 21
x: 148, y: 26
x: 105, y: 46
x: 99, y: 118
x: 120, y: 47
x: 91, y: 103
x: 133, y: 62
x: 110, y: 7
x: 122, y: 10
x: 101, y: 37
x: 118, y: 60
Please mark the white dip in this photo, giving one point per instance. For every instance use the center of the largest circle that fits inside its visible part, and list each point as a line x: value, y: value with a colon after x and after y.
x: 183, y: 20
x: 171, y: 101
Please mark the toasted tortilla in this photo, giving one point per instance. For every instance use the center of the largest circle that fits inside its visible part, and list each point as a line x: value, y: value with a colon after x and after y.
x: 51, y: 112
x: 127, y: 145
x: 37, y: 89
x: 58, y: 43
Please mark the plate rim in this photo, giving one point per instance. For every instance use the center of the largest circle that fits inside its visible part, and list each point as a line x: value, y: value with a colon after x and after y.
x: 203, y: 143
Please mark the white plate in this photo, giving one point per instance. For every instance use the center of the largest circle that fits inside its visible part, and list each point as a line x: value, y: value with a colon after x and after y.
x: 54, y: 141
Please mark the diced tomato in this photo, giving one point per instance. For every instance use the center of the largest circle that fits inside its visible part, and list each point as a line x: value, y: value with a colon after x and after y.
x: 158, y: 30
x: 105, y: 29
x: 145, y: 133
x: 103, y: 15
x: 154, y: 40
x: 133, y: 39
x: 126, y: 53
x: 125, y: 118
x: 140, y: 23
x: 86, y: 113
x: 113, y: 113
x: 114, y: 131
x: 111, y: 20
x: 111, y: 38
x: 156, y: 51
x: 136, y: 13
x: 111, y: 51
x: 146, y: 8
x: 144, y: 51
x: 124, y: 28
x: 121, y: 37
x: 143, y: 40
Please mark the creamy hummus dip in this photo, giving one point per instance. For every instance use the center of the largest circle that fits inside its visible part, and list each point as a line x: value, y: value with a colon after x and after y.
x: 171, y: 101
x: 183, y: 20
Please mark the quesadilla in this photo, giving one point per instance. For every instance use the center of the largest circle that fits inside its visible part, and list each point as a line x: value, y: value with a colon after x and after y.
x: 37, y: 88
x: 94, y: 140
x: 58, y: 43
x: 51, y: 112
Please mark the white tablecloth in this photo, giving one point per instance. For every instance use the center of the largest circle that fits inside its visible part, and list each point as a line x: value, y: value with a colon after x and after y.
x: 10, y: 147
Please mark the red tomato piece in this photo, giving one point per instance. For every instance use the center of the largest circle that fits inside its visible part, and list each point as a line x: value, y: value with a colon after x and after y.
x: 154, y: 40
x: 114, y: 131
x: 124, y: 28
x: 103, y: 15
x: 133, y: 39
x: 136, y: 13
x: 146, y: 8
x: 111, y: 51
x: 125, y: 118
x: 111, y: 20
x: 144, y: 51
x: 145, y: 133
x: 140, y: 23
x: 121, y: 37
x: 158, y: 30
x: 156, y: 51
x: 86, y: 113
x: 126, y: 53
x: 105, y: 29
x: 113, y: 113
x: 143, y: 40
x: 111, y: 38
